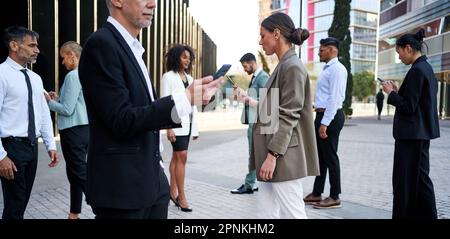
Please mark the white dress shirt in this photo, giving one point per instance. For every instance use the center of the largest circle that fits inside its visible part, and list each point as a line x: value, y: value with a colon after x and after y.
x: 331, y: 89
x: 14, y: 105
x: 171, y: 83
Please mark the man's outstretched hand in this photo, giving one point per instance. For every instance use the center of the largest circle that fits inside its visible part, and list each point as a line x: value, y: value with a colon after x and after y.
x: 202, y: 90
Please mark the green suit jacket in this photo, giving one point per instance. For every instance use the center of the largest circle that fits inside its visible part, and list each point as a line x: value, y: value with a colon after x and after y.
x: 259, y: 82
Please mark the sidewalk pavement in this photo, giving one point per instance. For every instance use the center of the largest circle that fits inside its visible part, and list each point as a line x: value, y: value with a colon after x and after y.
x: 217, y: 163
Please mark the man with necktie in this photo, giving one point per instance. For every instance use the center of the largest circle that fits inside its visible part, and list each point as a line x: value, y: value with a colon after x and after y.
x: 329, y: 121
x: 258, y: 81
x: 24, y: 117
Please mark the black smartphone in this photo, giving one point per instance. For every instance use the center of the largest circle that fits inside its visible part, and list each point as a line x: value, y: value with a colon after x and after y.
x: 380, y: 80
x: 222, y: 71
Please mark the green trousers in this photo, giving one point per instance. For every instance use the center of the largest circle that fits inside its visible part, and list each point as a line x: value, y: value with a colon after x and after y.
x: 250, y: 178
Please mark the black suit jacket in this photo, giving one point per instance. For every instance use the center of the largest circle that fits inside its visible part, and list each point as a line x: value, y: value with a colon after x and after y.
x: 380, y: 97
x: 416, y: 115
x: 123, y: 157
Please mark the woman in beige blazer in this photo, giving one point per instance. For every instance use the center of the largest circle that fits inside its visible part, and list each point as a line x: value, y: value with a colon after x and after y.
x: 179, y: 65
x: 284, y: 143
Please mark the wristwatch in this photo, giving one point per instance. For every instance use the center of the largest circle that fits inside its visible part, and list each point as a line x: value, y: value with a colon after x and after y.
x: 276, y: 155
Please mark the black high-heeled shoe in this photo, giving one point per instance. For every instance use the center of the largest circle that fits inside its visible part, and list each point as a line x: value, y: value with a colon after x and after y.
x: 175, y: 201
x: 184, y: 209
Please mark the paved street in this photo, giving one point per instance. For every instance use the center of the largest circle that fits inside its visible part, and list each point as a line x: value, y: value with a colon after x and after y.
x: 217, y: 162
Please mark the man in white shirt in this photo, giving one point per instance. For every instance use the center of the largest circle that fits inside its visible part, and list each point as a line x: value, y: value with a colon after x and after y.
x: 125, y: 179
x: 24, y: 117
x: 329, y: 121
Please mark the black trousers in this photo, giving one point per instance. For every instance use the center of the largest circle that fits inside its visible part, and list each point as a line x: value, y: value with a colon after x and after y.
x: 158, y: 210
x: 328, y: 157
x: 16, y: 192
x: 380, y: 107
x: 412, y: 187
x: 74, y: 145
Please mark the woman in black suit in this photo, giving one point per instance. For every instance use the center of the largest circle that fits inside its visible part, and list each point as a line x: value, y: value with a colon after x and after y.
x: 415, y: 124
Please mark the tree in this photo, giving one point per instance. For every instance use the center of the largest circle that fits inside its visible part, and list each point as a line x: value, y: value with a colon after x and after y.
x: 364, y: 85
x: 264, y: 62
x: 339, y: 29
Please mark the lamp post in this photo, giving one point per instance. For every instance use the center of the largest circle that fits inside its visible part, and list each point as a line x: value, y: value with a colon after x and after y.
x: 301, y: 15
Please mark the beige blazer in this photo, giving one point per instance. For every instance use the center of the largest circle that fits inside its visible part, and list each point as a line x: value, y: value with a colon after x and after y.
x: 287, y: 126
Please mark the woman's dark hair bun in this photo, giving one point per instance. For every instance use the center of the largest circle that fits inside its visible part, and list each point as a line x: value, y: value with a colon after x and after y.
x: 420, y: 35
x: 299, y: 35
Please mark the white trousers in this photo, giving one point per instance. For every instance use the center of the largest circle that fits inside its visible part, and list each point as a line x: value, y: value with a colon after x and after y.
x: 281, y: 200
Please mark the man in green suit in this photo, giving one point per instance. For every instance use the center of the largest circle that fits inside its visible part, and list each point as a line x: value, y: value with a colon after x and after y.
x: 258, y: 81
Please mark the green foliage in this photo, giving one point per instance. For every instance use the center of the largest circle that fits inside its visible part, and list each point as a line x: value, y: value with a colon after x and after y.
x: 364, y: 85
x: 264, y: 62
x: 340, y: 29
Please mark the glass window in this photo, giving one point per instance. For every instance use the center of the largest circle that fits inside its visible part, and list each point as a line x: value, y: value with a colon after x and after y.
x: 368, y: 5
x: 446, y: 25
x: 275, y: 4
x: 429, y: 1
x: 387, y: 43
x: 323, y: 23
x: 363, y: 18
x: 414, y: 5
x: 431, y: 28
x: 385, y: 4
x: 363, y: 51
x: 364, y: 35
x: 323, y: 7
x: 359, y: 66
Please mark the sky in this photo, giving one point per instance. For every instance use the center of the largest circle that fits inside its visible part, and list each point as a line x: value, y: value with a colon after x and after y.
x: 231, y: 24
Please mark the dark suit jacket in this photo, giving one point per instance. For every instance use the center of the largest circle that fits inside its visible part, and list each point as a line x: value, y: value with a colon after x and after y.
x: 123, y: 158
x: 415, y: 104
x: 380, y: 97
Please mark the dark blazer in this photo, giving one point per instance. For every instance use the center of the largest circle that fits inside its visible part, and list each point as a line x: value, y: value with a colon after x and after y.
x: 416, y: 115
x: 380, y: 97
x: 123, y: 158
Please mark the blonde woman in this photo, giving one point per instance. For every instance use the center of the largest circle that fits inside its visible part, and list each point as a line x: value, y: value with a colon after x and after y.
x: 73, y: 125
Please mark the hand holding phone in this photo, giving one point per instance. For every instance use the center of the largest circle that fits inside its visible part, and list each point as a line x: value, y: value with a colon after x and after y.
x: 222, y: 71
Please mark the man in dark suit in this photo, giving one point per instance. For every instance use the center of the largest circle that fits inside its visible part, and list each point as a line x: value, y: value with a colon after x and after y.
x: 125, y: 178
x: 416, y: 122
x: 380, y: 101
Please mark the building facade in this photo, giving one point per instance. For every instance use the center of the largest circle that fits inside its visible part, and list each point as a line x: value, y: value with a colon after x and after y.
x: 363, y: 29
x: 293, y: 8
x: 408, y: 16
